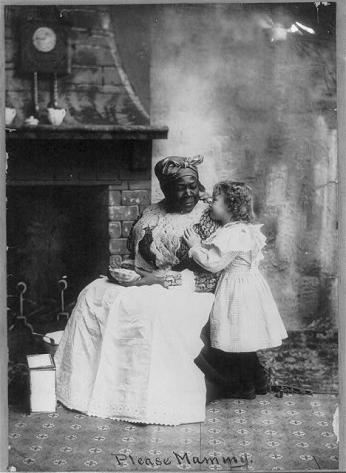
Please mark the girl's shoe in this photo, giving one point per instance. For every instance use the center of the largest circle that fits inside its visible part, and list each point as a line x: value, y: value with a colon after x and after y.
x: 262, y: 390
x: 261, y: 385
x: 248, y: 391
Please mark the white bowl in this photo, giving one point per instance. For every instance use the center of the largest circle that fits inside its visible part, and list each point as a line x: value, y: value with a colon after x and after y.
x: 124, y: 274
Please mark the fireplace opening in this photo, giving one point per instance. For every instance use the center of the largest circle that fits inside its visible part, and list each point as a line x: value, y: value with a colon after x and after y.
x: 56, y: 231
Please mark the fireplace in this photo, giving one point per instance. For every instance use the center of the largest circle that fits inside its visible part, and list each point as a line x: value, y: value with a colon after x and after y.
x: 72, y: 198
x: 56, y: 231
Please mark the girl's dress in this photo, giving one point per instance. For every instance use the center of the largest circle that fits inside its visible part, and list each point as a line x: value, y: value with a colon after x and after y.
x: 128, y: 353
x: 244, y: 317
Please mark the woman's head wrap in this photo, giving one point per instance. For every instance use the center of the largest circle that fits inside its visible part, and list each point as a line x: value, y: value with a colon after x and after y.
x: 174, y: 167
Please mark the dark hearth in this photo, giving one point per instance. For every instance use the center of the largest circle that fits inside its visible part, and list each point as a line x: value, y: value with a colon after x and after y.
x: 55, y: 231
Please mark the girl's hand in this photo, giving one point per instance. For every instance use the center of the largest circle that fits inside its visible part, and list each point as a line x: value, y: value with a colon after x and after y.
x: 191, y: 238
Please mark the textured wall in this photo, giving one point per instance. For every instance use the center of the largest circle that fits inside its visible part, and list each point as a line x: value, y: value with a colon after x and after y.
x: 263, y: 112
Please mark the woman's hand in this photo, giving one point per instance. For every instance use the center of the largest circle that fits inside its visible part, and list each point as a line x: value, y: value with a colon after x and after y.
x: 151, y: 279
x: 146, y: 279
x: 191, y: 238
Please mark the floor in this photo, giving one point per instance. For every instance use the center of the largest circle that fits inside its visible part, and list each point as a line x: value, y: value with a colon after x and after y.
x: 269, y: 433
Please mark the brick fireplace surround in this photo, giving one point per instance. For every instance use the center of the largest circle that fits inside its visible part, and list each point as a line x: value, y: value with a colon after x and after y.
x: 115, y: 159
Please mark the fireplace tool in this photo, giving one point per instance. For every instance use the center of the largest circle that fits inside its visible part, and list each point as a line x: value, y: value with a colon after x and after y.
x: 50, y: 341
x: 21, y: 317
x: 63, y: 286
x: 47, y: 341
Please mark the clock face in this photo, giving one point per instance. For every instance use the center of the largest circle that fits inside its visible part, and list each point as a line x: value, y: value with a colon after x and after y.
x: 43, y: 47
x: 44, y: 39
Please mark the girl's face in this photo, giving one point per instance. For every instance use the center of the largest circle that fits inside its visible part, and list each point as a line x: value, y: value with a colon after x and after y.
x: 219, y: 210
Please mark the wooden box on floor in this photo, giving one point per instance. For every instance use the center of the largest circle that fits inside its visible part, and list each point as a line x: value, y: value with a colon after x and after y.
x: 42, y: 383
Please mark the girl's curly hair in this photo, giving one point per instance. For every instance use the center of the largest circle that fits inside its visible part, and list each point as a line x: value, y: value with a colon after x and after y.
x: 238, y: 199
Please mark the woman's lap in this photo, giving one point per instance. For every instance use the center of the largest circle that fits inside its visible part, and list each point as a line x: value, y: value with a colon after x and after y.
x: 127, y: 350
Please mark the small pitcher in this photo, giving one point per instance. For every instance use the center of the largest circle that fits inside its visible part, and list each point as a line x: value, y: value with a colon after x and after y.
x: 10, y: 113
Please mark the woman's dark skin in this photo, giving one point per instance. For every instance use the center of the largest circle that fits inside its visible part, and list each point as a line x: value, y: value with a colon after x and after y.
x: 181, y: 196
x: 147, y: 279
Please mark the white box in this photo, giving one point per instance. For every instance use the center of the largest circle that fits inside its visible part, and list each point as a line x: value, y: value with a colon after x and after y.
x: 42, y: 383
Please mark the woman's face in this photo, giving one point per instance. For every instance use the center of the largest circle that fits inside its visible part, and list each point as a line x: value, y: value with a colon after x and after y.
x: 183, y: 194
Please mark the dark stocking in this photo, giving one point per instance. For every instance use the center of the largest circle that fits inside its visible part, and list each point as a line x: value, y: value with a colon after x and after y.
x: 261, y: 378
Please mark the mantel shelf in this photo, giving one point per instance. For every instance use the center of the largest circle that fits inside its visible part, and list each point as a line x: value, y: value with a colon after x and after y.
x: 86, y: 132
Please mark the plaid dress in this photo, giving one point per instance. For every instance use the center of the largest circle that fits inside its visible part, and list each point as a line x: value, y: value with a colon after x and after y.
x: 244, y: 317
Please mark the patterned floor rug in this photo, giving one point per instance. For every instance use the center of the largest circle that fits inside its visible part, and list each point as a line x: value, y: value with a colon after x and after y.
x: 305, y: 358
x: 268, y: 433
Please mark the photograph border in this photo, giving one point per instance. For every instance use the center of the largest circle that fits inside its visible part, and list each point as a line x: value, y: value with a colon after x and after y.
x: 341, y: 120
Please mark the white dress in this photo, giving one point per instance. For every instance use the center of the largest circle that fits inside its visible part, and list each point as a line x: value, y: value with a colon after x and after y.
x: 244, y: 317
x: 128, y: 353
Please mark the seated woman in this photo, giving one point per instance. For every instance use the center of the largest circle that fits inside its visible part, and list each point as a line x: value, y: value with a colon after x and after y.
x: 128, y: 353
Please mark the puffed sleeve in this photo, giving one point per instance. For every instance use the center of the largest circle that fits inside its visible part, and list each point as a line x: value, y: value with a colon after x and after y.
x: 220, y: 250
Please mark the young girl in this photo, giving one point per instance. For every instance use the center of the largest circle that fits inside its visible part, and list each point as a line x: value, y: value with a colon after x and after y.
x: 244, y: 317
